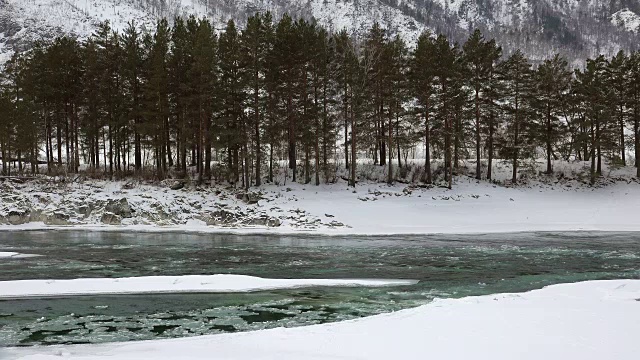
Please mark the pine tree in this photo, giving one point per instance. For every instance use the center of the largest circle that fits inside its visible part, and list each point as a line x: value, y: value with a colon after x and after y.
x: 202, y: 74
x: 377, y: 42
x: 253, y: 49
x: 92, y: 120
x: 344, y: 64
x: 552, y: 88
x: 447, y: 69
x: 494, y: 93
x: 633, y: 102
x: 287, y: 61
x: 597, y: 97
x: 422, y: 80
x: 396, y: 92
x: 480, y: 56
x: 156, y: 96
x: 133, y: 61
x: 517, y: 78
x: 232, y: 101
x: 618, y: 71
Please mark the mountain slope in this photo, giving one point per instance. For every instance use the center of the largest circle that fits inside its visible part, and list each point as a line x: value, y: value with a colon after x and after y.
x: 577, y: 28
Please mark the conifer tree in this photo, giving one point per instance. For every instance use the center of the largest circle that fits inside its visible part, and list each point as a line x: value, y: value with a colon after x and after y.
x: 633, y: 102
x: 422, y: 80
x: 552, y: 85
x: 597, y: 98
x: 133, y: 61
x: 618, y: 72
x: 447, y: 70
x: 480, y: 59
x: 518, y: 82
x: 156, y: 96
x: 202, y: 73
x: 232, y: 101
x: 254, y: 50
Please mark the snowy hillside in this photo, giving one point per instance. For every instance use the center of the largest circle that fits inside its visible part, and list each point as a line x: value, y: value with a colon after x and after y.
x: 24, y: 21
x: 576, y: 28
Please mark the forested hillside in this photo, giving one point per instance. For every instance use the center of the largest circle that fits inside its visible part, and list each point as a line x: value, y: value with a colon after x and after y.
x: 183, y: 101
x: 539, y: 28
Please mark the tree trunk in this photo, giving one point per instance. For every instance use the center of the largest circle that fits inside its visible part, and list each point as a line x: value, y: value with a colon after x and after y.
x: 390, y: 179
x: 490, y: 147
x: 477, y: 108
x: 427, y: 161
x: 599, y: 148
x: 549, y: 131
x: 353, y: 150
x: 514, y: 177
x: 622, y: 147
x: 593, y: 156
x: 256, y: 105
x: 636, y: 133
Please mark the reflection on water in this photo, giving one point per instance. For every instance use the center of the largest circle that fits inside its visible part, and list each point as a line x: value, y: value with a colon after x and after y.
x: 446, y: 265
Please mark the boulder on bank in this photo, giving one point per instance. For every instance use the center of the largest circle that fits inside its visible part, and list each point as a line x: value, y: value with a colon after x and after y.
x: 264, y: 221
x: 119, y: 207
x: 109, y: 218
x: 57, y: 218
x: 220, y: 217
x: 18, y: 217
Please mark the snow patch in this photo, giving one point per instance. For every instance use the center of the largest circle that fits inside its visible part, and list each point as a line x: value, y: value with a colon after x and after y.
x: 627, y: 19
x: 15, y: 255
x: 219, y: 283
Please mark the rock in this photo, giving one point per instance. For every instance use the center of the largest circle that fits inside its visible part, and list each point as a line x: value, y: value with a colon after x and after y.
x: 119, y: 207
x: 18, y: 217
x: 129, y: 185
x: 57, y: 218
x: 252, y: 198
x: 159, y: 213
x: 109, y: 218
x: 37, y: 216
x: 177, y: 186
x: 220, y: 217
x: 84, y: 210
x: 336, y: 224
x: 264, y: 221
x: 249, y: 197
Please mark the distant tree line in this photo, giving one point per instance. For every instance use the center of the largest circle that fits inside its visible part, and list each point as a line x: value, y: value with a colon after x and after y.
x: 186, y: 100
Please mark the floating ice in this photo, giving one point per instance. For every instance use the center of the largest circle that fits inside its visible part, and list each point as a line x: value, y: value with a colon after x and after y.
x: 220, y: 283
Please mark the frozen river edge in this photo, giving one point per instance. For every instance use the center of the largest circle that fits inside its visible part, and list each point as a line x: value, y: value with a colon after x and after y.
x: 588, y: 320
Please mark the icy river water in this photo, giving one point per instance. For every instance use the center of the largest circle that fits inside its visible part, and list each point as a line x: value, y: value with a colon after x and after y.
x: 446, y: 265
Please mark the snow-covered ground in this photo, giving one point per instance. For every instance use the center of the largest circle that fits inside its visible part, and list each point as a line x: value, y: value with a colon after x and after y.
x: 564, y: 202
x: 589, y: 320
x: 172, y: 284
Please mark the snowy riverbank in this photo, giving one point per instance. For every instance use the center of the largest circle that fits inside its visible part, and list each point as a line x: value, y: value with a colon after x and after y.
x: 589, y: 320
x: 373, y: 208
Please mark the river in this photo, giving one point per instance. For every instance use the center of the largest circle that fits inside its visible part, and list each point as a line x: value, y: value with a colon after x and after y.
x: 445, y: 265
